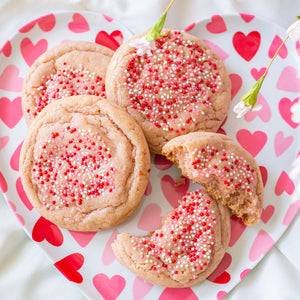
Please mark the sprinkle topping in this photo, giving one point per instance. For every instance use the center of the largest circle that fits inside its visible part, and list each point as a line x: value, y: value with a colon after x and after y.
x: 71, y: 167
x: 172, y: 86
x: 234, y: 171
x: 67, y: 82
x: 185, y: 241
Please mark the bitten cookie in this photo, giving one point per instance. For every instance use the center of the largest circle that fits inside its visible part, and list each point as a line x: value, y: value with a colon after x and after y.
x: 224, y: 168
x: 179, y: 87
x: 186, y: 249
x: 69, y: 69
x: 84, y: 163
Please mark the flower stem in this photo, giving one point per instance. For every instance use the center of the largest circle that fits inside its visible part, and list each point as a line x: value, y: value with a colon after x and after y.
x: 169, y: 6
x: 275, y: 55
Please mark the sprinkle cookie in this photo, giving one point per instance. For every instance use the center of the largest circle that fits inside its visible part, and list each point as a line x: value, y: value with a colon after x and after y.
x: 85, y: 163
x: 69, y: 69
x: 224, y: 168
x: 179, y: 87
x: 185, y: 250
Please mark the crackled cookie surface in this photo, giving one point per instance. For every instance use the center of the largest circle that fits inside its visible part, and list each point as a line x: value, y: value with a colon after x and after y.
x: 179, y: 87
x: 187, y: 247
x: 69, y: 69
x: 84, y: 163
x: 224, y: 168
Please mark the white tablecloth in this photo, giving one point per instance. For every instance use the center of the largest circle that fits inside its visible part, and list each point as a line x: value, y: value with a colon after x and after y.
x: 25, y: 272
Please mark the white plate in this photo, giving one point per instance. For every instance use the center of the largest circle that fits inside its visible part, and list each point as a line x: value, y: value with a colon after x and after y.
x: 245, y: 43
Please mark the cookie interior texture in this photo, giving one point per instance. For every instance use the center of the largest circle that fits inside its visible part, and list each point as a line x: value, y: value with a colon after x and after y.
x: 85, y: 163
x: 182, y: 87
x: 185, y: 250
x: 224, y: 168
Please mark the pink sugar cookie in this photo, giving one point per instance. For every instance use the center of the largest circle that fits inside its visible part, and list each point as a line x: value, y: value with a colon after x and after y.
x: 84, y: 163
x: 179, y: 87
x: 69, y: 69
x: 185, y: 250
x: 224, y: 168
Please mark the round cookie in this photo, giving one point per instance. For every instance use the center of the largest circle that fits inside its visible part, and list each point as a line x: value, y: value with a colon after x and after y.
x: 179, y: 87
x: 185, y: 250
x: 69, y: 69
x: 84, y: 163
x: 224, y: 168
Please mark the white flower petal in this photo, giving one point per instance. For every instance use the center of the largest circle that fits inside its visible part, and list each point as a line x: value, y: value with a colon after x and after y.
x: 294, y: 31
x: 257, y: 107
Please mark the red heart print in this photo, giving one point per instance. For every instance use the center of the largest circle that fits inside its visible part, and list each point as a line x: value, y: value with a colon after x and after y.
x: 253, y: 143
x: 246, y: 17
x: 178, y: 294
x: 282, y: 143
x: 237, y: 229
x: 148, y: 190
x: 189, y: 27
x: 284, y: 184
x: 6, y: 49
x: 3, y: 141
x: 10, y: 80
x: 44, y: 229
x: 291, y: 213
x: 162, y: 163
x: 277, y: 41
x: 264, y: 174
x: 46, y: 23
x: 284, y: 107
x: 150, y: 218
x: 264, y: 113
x: 288, y: 80
x: 31, y: 52
x: 267, y: 213
x: 261, y: 245
x: 82, y: 238
x: 173, y: 192
x: 110, y: 289
x: 112, y: 41
x: 22, y: 194
x: 141, y: 288
x: 108, y: 255
x: 3, y: 184
x: 246, y: 45
x: 79, y: 24
x: 14, y: 161
x: 10, y: 111
x: 217, y: 24
x: 236, y: 83
x: 220, y: 275
x: 256, y: 74
x: 70, y: 265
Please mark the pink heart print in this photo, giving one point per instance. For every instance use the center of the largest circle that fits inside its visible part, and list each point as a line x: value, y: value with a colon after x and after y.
x: 14, y: 210
x: 178, y: 294
x: 6, y: 49
x: 298, y: 48
x: 23, y: 195
x: 82, y: 238
x: 79, y: 24
x: 236, y: 84
x: 261, y: 245
x: 284, y: 107
x: 246, y: 45
x: 284, y: 184
x: 10, y: 111
x: 3, y: 141
x: 246, y: 17
x: 108, y: 255
x: 30, y: 51
x: 150, y: 218
x: 256, y: 74
x: 141, y: 288
x: 252, y: 142
x: 110, y: 289
x: 244, y: 273
x: 291, y: 213
x: 174, y: 192
x: 220, y: 275
x: 221, y: 295
x: 14, y: 160
x: 267, y: 213
x: 45, y: 230
x: 264, y: 113
x: 70, y: 265
x: 288, y: 80
x: 237, y: 229
x: 107, y: 18
x: 282, y: 143
x: 162, y: 163
x: 189, y: 27
x: 148, y: 190
x: 3, y: 184
x: 112, y: 41
x: 46, y: 24
x: 217, y: 24
x: 10, y: 80
x: 223, y: 55
x: 274, y: 47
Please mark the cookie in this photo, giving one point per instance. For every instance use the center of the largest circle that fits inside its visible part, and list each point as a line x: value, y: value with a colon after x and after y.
x: 185, y: 250
x: 224, y: 168
x: 84, y: 163
x: 69, y: 69
x: 179, y: 87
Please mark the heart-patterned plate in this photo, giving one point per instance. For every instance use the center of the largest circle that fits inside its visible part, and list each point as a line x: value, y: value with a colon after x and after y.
x: 246, y: 44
